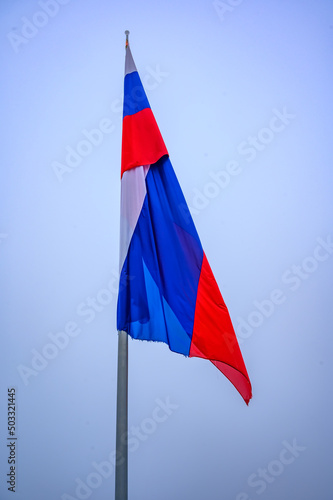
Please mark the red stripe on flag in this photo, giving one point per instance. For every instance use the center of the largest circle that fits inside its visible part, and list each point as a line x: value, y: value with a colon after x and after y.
x: 214, y: 337
x: 142, y: 140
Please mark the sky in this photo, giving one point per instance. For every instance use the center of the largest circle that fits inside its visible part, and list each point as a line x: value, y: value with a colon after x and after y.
x: 241, y: 91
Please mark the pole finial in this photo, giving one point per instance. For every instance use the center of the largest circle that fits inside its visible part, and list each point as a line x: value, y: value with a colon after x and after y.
x: 126, y: 33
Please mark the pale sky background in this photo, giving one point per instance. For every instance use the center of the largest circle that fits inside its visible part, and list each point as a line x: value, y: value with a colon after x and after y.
x: 218, y: 77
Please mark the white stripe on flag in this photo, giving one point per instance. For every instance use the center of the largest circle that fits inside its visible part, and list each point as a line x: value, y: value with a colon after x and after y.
x: 133, y: 192
x: 129, y: 62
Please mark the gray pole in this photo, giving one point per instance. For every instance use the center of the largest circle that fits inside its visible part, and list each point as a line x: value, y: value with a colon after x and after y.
x: 122, y: 410
x: 121, y: 430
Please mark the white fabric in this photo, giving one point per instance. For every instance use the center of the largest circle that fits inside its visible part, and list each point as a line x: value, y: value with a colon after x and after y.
x: 129, y: 63
x: 133, y: 192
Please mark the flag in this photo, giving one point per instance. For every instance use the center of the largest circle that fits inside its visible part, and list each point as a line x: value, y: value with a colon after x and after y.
x: 167, y: 291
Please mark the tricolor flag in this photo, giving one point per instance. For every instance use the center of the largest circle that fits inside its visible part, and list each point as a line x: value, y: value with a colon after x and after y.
x: 167, y: 291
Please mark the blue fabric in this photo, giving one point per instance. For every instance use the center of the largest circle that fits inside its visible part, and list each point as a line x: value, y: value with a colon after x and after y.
x: 160, y: 275
x: 135, y: 98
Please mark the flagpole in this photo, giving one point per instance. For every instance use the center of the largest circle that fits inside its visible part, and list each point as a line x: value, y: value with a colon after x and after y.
x: 122, y: 418
x: 121, y: 478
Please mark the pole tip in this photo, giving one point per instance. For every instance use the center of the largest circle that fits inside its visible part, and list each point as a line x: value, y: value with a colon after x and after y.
x: 126, y: 33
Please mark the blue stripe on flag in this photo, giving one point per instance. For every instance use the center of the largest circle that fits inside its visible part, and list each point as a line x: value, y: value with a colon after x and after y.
x: 135, y: 98
x: 159, y: 279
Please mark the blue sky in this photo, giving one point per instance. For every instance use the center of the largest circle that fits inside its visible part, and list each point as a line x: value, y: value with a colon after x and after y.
x: 242, y: 94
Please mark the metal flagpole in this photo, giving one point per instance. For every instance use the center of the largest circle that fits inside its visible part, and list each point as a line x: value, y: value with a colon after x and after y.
x: 121, y: 430
x: 122, y: 410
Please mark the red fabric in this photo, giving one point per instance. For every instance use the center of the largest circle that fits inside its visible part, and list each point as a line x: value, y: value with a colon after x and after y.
x: 214, y: 337
x: 142, y: 140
